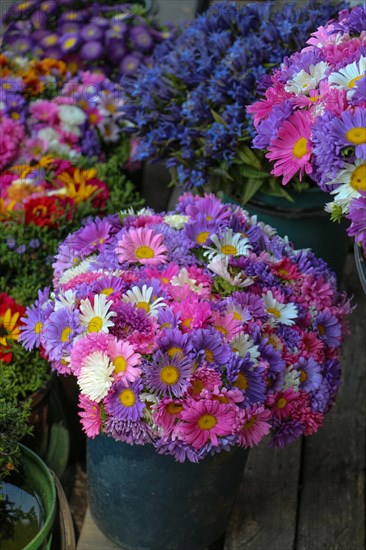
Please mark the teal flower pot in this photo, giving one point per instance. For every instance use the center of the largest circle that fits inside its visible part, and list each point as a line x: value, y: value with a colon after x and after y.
x: 305, y: 223
x: 145, y: 501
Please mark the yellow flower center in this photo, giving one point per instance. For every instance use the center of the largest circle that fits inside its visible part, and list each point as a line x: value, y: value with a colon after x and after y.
x: 352, y: 83
x: 174, y: 351
x: 120, y: 364
x: 174, y: 408
x: 51, y: 40
x: 127, y: 398
x: 358, y: 178
x: 15, y: 116
x: 281, y: 403
x: 95, y: 324
x: 321, y: 330
x: 221, y: 329
x: 250, y: 423
x: 303, y: 376
x: 169, y: 375
x: 202, y: 237
x: 38, y: 327
x: 39, y: 211
x: 144, y: 252
x: 274, y: 312
x: 207, y: 421
x: 23, y: 6
x: 300, y: 148
x: 241, y: 382
x: 209, y: 356
x: 237, y: 316
x: 315, y: 98
x: 197, y: 387
x: 107, y: 291
x: 65, y: 334
x: 187, y: 322
x: 229, y: 250
x: 357, y: 135
x: 143, y: 305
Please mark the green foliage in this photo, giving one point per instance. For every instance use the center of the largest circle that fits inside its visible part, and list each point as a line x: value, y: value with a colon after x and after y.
x: 13, y: 427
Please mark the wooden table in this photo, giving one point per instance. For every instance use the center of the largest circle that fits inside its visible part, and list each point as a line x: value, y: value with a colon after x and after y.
x: 310, y: 495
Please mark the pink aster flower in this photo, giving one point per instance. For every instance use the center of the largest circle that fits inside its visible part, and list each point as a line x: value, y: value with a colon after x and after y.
x: 124, y: 359
x: 11, y: 135
x: 141, y: 245
x: 46, y: 111
x: 90, y: 416
x: 292, y: 149
x: 193, y: 314
x: 274, y: 96
x: 280, y: 403
x: 311, y: 346
x: 316, y: 289
x: 165, y: 275
x: 204, y: 378
x: 166, y: 413
x: 226, y: 323
x: 253, y: 425
x: 205, y: 420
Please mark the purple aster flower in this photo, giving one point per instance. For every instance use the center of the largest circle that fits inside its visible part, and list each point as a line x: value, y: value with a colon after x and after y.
x: 70, y: 28
x: 91, y: 50
x: 59, y: 331
x: 173, y: 342
x: 326, y: 150
x: 167, y: 318
x: 21, y: 249
x: 252, y: 302
x: 130, y: 64
x: 30, y: 332
x: 332, y: 374
x: 123, y: 401
x: 357, y: 215
x: 310, y: 374
x: 91, y: 32
x: 130, y: 319
x: 276, y: 365
x: 92, y: 237
x: 48, y: 7
x: 116, y: 50
x: 359, y: 95
x: 78, y: 15
x: 168, y: 375
x: 90, y: 145
x: 211, y: 208
x: 198, y: 233
x: 352, y: 22
x: 251, y: 382
x: 208, y: 346
x: 109, y: 285
x: 321, y: 398
x: 38, y: 19
x: 286, y: 433
x: 50, y: 40
x: 23, y: 45
x: 179, y: 450
x: 329, y: 329
x: 350, y: 131
x: 141, y: 38
x: 11, y: 243
x: 34, y: 243
x: 69, y: 42
x: 133, y: 433
x: 267, y: 130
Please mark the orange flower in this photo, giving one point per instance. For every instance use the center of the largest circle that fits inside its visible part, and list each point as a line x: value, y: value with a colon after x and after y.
x: 76, y: 184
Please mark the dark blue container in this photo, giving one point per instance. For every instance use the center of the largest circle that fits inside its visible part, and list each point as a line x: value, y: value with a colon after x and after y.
x: 145, y: 501
x: 361, y: 265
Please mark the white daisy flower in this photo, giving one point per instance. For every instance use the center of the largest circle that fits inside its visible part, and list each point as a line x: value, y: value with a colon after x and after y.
x: 97, y: 317
x: 109, y: 130
x: 348, y: 76
x: 219, y: 265
x: 353, y: 180
x: 280, y: 313
x: 96, y: 376
x: 292, y: 379
x: 228, y: 245
x: 143, y: 299
x: 267, y: 229
x: 176, y: 221
x: 67, y: 299
x: 243, y: 344
x: 303, y: 82
x: 183, y: 279
x: 72, y: 272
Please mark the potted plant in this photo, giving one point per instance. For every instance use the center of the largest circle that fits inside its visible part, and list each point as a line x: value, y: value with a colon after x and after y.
x: 193, y: 335
x: 313, y: 118
x: 114, y: 38
x: 27, y: 489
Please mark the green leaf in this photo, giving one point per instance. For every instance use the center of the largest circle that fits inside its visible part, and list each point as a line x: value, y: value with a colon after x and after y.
x: 251, y: 187
x: 249, y: 172
x: 218, y: 118
x: 246, y: 155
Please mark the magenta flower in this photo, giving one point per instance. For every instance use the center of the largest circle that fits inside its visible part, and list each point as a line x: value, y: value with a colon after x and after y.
x: 253, y: 425
x: 143, y: 246
x: 90, y: 416
x: 204, y: 421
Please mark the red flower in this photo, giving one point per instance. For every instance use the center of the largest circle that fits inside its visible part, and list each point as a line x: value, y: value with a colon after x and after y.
x: 48, y: 211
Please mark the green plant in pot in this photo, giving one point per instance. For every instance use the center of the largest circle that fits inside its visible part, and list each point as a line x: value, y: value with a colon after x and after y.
x: 189, y: 107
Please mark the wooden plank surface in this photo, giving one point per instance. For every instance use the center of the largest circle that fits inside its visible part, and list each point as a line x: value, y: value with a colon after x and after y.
x: 91, y: 537
x: 332, y: 503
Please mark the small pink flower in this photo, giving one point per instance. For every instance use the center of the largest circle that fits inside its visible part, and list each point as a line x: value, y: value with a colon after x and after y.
x: 166, y: 413
x: 124, y: 359
x: 90, y: 416
x: 253, y: 425
x: 45, y: 111
x: 141, y: 246
x: 11, y: 135
x: 280, y: 403
x: 96, y: 341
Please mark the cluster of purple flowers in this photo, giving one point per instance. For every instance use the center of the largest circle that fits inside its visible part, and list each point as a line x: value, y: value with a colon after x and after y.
x: 115, y: 39
x: 188, y: 108
x: 194, y: 330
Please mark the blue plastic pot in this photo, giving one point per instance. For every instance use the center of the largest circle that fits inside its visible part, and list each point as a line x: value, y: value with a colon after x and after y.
x: 145, y: 501
x: 305, y: 223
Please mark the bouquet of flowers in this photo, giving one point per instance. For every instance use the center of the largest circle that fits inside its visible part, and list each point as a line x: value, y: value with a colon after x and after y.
x: 40, y: 203
x: 83, y: 118
x: 312, y: 120
x: 114, y: 38
x: 193, y: 331
x: 188, y: 108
